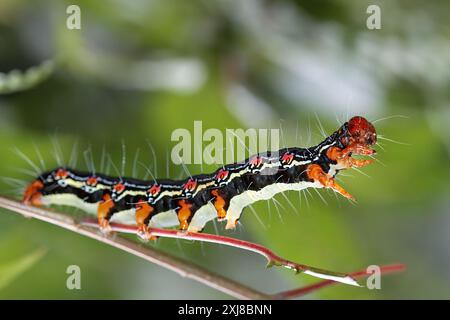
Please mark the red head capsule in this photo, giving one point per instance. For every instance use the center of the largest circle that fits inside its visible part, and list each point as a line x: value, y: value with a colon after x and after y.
x: 362, y: 131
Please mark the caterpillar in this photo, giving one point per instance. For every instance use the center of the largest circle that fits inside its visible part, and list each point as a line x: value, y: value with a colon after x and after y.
x: 190, y: 203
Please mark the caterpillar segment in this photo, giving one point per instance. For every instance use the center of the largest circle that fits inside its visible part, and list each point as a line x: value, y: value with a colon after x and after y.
x: 191, y: 203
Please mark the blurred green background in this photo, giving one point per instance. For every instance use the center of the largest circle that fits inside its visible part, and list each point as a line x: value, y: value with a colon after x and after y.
x: 137, y: 70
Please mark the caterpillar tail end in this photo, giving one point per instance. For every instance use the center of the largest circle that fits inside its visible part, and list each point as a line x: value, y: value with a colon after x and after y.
x: 33, y: 194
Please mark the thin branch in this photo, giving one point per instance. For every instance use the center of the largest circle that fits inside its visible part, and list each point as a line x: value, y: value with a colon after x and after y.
x: 184, y: 268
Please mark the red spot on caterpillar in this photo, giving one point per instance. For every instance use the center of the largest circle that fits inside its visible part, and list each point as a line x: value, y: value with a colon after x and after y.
x: 92, y: 181
x: 255, y: 164
x: 119, y: 188
x: 362, y: 131
x: 154, y: 190
x: 61, y: 174
x: 184, y: 213
x: 191, y: 185
x: 222, y: 175
x: 255, y: 161
x: 287, y: 158
x: 33, y: 195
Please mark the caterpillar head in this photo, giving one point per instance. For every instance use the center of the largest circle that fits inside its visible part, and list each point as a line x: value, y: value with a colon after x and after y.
x: 362, y: 135
x: 362, y: 131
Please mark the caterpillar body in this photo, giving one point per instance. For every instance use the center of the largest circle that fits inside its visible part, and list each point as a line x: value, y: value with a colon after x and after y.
x: 192, y: 202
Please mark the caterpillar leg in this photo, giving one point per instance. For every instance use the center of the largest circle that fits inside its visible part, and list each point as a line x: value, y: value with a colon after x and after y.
x: 104, y: 211
x: 192, y: 218
x: 316, y: 173
x: 143, y: 214
x: 359, y: 149
x: 359, y: 163
x: 184, y: 214
x: 344, y: 159
x: 219, y: 204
